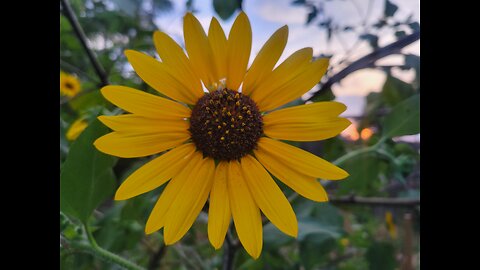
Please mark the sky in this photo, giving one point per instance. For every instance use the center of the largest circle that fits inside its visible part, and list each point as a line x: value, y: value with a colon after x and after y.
x: 266, y: 16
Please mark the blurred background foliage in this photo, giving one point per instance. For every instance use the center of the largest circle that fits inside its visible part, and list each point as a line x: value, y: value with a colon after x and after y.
x: 372, y: 221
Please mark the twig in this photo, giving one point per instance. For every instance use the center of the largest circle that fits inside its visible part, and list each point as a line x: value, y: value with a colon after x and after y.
x: 229, y: 252
x: 375, y: 201
x: 156, y: 258
x: 76, y: 69
x: 67, y: 9
x: 368, y: 60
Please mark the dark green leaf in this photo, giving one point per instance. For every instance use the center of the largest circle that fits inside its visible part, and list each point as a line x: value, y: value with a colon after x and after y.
x: 273, y: 238
x: 298, y: 2
x: 326, y: 95
x: 371, y: 38
x: 86, y: 178
x: 372, y: 107
x: 394, y: 91
x: 400, y: 34
x: 318, y: 232
x: 404, y: 119
x: 323, y: 219
x: 380, y: 256
x: 415, y: 26
x: 88, y: 100
x: 312, y: 14
x: 363, y: 179
x: 390, y: 8
x: 226, y: 8
x: 315, y: 249
x: 381, y: 23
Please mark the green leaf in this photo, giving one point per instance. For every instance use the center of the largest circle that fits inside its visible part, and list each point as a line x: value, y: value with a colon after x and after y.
x: 326, y: 95
x: 415, y: 26
x: 404, y: 119
x: 395, y: 90
x: 390, y: 9
x: 315, y: 249
x: 318, y: 232
x: 312, y: 14
x: 371, y: 38
x: 86, y: 178
x: 380, y: 256
x: 400, y: 34
x: 363, y: 180
x: 226, y: 8
x: 88, y: 100
x: 274, y: 238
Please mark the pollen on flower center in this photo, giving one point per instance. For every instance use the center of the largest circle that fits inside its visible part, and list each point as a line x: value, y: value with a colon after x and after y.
x: 226, y: 124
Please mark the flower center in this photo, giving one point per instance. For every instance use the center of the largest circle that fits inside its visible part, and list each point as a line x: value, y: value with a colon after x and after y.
x: 226, y: 124
x: 69, y: 85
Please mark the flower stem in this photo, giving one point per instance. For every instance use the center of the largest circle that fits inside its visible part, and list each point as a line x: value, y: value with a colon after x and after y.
x: 106, y: 255
x: 357, y: 152
x: 230, y: 250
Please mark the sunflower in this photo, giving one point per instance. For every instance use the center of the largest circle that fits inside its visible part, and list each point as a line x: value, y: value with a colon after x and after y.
x: 76, y: 128
x: 69, y: 85
x: 222, y: 143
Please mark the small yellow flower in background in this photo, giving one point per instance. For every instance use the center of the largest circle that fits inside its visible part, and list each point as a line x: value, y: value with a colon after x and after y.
x: 225, y: 146
x: 69, y: 85
x: 76, y: 129
x: 344, y: 242
x: 392, y: 229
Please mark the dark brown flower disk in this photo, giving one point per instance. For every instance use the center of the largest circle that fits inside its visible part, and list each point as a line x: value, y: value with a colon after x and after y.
x: 226, y: 125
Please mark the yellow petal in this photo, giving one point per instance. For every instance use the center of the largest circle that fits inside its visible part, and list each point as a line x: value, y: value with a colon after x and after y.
x: 155, y: 173
x: 300, y: 160
x: 324, y: 129
x: 218, y: 43
x: 268, y: 196
x: 158, y: 76
x: 305, y: 185
x: 76, y: 129
x: 245, y: 212
x: 158, y: 215
x: 140, y: 124
x: 265, y: 60
x: 285, y: 72
x: 310, y: 122
x: 172, y: 55
x: 199, y: 50
x: 219, y: 208
x: 296, y: 87
x: 189, y: 202
x: 238, y: 51
x: 141, y: 103
x: 129, y: 145
x: 307, y: 113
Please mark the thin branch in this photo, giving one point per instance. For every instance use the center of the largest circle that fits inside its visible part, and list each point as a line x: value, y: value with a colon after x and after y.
x: 368, y: 60
x: 375, y: 201
x: 157, y: 257
x: 76, y: 69
x: 72, y: 18
x: 229, y: 251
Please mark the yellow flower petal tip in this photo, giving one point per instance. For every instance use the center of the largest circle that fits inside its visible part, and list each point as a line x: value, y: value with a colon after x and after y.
x: 76, y: 129
x: 120, y: 195
x: 206, y: 147
x: 129, y: 53
x: 150, y: 230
